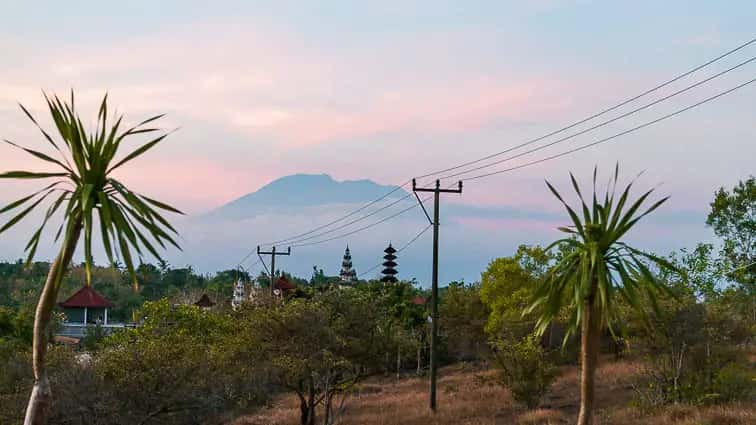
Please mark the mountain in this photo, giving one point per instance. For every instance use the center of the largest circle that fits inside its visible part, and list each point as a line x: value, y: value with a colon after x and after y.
x: 299, y: 191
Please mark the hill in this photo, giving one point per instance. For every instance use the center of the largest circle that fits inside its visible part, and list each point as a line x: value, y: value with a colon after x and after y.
x: 301, y: 191
x: 469, y: 396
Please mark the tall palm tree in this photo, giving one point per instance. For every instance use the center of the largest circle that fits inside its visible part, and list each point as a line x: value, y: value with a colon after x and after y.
x: 83, y: 186
x: 597, y: 267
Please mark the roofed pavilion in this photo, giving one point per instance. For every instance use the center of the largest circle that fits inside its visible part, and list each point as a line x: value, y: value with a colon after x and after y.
x: 86, y: 306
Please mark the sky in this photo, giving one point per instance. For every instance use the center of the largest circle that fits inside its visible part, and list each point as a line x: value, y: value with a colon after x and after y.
x: 384, y: 91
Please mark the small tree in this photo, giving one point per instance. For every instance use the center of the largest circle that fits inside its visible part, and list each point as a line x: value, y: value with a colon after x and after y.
x: 597, y: 268
x: 319, y: 348
x: 84, y: 186
x: 524, y: 369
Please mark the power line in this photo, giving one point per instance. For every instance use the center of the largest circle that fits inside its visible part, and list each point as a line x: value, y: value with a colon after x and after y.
x: 560, y: 140
x: 246, y: 257
x: 362, y: 208
x: 604, y: 123
x: 297, y: 241
x: 405, y: 246
x: 296, y: 238
x: 315, y: 236
x: 411, y: 207
x: 596, y: 115
x: 607, y: 139
x: 548, y: 158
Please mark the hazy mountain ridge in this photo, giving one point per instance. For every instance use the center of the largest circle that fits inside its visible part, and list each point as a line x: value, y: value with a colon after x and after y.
x: 301, y: 191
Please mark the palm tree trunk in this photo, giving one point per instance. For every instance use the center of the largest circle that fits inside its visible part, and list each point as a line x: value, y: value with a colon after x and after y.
x: 589, y: 350
x: 41, y: 395
x: 398, y: 361
x: 419, y: 359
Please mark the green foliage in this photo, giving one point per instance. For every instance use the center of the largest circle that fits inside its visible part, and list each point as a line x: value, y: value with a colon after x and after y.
x: 92, y: 337
x: 524, y: 369
x: 507, y: 288
x: 733, y: 218
x: 180, y: 366
x: 17, y: 324
x: 688, y: 347
x: 597, y: 266
x: 84, y: 186
x: 463, y: 317
x: 735, y: 382
x: 319, y: 347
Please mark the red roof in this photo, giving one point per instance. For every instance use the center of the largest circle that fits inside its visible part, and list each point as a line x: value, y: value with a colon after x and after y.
x: 419, y: 301
x: 204, y: 301
x: 87, y: 297
x: 284, y: 285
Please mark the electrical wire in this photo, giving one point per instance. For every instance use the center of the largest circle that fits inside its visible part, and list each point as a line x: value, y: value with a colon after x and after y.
x: 405, y: 246
x: 541, y: 160
x: 296, y: 238
x: 385, y: 219
x: 612, y: 137
x: 362, y: 208
x: 598, y: 114
x: 604, y: 123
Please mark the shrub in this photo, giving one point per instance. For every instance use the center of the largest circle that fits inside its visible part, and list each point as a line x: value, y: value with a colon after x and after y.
x: 735, y: 382
x: 524, y: 369
x: 92, y: 336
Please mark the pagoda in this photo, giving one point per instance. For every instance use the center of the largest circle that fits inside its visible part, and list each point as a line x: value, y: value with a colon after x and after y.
x: 348, y: 274
x: 389, y: 272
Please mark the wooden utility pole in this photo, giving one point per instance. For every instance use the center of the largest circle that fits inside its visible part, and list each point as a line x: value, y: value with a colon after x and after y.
x: 434, y: 288
x: 272, y: 270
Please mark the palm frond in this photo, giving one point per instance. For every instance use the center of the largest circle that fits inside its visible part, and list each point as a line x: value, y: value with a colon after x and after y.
x: 599, y: 267
x: 127, y: 221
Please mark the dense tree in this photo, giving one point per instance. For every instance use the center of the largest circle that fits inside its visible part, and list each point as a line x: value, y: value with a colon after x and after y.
x: 598, y: 268
x: 318, y: 348
x: 463, y: 318
x: 181, y: 365
x: 84, y: 186
x: 507, y: 287
x: 733, y: 218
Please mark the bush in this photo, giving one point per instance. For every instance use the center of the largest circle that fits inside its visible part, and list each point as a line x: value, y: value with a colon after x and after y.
x: 524, y: 369
x: 695, y: 355
x: 735, y: 382
x: 92, y: 336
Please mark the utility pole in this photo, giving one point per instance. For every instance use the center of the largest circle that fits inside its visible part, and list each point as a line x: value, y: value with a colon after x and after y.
x: 272, y: 270
x: 434, y: 288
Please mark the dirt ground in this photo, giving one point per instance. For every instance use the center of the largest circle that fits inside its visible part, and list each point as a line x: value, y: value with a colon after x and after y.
x: 468, y: 397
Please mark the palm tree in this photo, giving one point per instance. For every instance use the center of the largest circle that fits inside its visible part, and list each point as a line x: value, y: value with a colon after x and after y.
x: 84, y: 186
x: 596, y: 267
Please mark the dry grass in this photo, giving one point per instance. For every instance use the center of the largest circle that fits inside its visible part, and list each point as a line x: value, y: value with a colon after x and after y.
x: 471, y: 398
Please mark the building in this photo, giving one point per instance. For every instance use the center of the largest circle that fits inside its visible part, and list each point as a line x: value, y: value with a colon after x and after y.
x: 204, y: 302
x: 389, y: 272
x: 239, y: 295
x: 347, y: 274
x: 283, y: 287
x: 86, y: 308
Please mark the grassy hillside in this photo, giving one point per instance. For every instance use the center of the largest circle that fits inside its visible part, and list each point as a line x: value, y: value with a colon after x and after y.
x: 470, y: 397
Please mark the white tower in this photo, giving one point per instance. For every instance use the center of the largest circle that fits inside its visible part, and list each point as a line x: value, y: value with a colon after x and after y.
x: 239, y: 295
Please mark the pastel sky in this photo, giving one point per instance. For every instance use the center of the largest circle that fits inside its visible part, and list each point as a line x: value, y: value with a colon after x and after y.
x: 386, y: 90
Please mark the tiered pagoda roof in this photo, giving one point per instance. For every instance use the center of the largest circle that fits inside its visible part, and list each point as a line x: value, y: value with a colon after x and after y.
x: 348, y: 274
x: 389, y: 272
